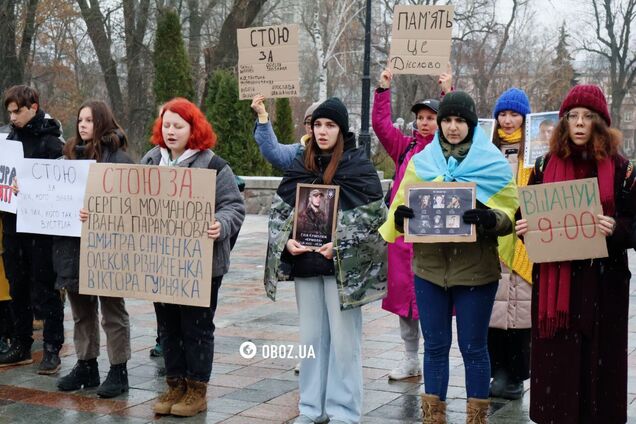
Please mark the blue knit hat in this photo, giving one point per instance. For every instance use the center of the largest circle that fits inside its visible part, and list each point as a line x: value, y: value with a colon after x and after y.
x: 513, y: 99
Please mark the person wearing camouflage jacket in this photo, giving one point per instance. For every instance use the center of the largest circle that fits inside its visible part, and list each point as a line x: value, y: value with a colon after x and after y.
x: 332, y: 283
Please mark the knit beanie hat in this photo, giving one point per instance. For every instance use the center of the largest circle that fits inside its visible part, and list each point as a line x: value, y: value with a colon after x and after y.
x: 310, y: 110
x: 514, y: 99
x: 588, y: 96
x: 458, y: 103
x: 335, y: 110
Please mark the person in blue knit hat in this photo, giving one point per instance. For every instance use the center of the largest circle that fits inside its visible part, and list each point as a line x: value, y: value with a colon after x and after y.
x: 509, y: 332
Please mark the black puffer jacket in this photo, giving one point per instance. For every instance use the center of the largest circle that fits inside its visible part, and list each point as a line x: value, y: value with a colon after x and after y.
x: 66, y: 250
x: 41, y: 139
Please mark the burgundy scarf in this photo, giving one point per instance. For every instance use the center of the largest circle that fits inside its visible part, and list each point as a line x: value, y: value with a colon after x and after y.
x: 554, y: 277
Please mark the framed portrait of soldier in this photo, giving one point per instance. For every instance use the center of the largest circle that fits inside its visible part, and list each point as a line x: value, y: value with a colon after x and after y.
x: 438, y: 210
x: 539, y: 128
x: 315, y: 214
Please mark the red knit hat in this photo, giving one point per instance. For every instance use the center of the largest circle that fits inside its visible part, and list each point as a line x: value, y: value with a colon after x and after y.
x: 588, y: 96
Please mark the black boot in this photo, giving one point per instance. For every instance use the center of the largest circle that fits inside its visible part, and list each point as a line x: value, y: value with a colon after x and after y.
x: 116, y: 382
x: 50, y: 361
x: 84, y: 373
x: 19, y: 353
x: 513, y: 390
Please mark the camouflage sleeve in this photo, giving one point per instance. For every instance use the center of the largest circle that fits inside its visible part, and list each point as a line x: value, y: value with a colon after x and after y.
x: 280, y: 227
x: 360, y: 255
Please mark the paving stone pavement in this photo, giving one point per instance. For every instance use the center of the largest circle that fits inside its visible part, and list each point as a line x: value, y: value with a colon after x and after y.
x: 251, y: 391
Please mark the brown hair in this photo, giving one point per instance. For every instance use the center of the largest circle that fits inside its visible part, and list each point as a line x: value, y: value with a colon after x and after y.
x: 312, y: 150
x: 106, y: 133
x: 604, y: 140
x: 21, y: 95
x: 522, y: 142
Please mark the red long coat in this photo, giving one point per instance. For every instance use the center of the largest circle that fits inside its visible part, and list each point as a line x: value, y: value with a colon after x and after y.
x: 580, y: 375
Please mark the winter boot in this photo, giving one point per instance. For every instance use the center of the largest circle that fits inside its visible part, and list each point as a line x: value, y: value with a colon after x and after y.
x: 433, y: 410
x: 19, y: 353
x: 50, y: 361
x: 513, y: 391
x: 498, y: 383
x: 176, y: 391
x: 84, y: 373
x: 477, y: 411
x: 116, y: 382
x: 409, y: 367
x: 5, y: 343
x: 194, y: 401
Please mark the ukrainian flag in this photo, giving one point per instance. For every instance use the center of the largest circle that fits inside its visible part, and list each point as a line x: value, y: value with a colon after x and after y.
x: 484, y: 165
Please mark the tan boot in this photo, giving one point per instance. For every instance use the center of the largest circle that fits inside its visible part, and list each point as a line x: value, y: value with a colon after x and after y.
x: 477, y: 411
x: 194, y: 401
x: 176, y: 390
x: 433, y: 410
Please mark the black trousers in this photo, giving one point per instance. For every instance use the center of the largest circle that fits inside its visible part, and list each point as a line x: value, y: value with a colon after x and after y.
x: 187, y: 337
x: 28, y: 265
x: 509, y: 353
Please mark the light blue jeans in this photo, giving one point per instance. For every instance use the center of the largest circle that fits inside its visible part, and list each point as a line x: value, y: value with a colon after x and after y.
x: 330, y: 383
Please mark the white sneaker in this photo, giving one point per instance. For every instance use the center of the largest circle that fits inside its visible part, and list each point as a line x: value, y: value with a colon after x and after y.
x: 409, y: 367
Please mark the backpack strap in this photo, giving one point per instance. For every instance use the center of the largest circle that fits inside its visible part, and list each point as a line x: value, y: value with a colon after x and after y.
x: 217, y: 163
x: 539, y: 166
x: 405, y: 152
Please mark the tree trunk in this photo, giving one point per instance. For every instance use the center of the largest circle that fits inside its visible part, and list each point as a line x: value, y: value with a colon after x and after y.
x: 225, y: 53
x: 96, y: 31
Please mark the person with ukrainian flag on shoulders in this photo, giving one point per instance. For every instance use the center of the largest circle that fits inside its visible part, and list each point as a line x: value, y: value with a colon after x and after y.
x: 459, y: 276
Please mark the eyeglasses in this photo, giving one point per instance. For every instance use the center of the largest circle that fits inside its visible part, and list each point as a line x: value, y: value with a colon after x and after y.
x: 573, y: 118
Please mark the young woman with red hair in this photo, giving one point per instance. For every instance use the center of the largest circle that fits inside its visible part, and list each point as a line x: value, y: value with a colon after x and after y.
x: 183, y: 137
x: 580, y: 309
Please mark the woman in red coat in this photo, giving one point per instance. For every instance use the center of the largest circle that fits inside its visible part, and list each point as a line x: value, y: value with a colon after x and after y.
x: 580, y: 308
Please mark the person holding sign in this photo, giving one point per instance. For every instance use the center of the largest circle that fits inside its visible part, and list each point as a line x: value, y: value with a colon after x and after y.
x: 99, y: 137
x: 279, y: 155
x: 458, y: 276
x: 400, y: 297
x: 183, y: 137
x: 509, y: 333
x: 334, y: 282
x: 580, y: 309
x: 27, y: 257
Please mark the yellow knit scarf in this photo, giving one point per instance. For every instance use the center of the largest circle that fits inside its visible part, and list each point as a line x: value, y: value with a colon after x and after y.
x: 520, y: 264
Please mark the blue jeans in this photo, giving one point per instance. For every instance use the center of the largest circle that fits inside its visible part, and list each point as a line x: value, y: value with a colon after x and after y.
x: 331, y: 383
x: 473, y: 306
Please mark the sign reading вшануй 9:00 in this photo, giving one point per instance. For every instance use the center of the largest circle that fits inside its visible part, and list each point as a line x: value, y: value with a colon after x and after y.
x: 562, y: 221
x: 146, y: 236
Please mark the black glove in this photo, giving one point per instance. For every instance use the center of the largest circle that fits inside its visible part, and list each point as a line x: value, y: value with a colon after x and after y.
x: 484, y: 217
x: 400, y: 213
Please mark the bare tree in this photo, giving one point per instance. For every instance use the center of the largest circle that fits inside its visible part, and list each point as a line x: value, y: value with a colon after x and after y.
x: 613, y: 23
x: 14, y: 57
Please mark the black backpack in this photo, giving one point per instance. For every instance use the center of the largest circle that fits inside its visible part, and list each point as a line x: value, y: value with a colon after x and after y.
x: 218, y: 164
x: 387, y: 196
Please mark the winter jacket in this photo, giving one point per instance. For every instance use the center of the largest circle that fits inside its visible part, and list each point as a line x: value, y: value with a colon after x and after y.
x: 229, y: 209
x: 400, y: 297
x: 514, y: 295
x: 41, y: 138
x: 585, y: 366
x: 461, y: 264
x: 66, y: 250
x: 4, y: 283
x: 279, y: 155
x: 359, y: 252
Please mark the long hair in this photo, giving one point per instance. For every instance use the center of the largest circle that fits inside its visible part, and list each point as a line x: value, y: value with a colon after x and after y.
x: 604, y: 141
x: 106, y: 133
x: 312, y: 150
x: 202, y: 135
x: 522, y: 142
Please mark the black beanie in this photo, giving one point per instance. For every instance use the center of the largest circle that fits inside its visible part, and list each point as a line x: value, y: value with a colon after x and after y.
x: 333, y: 109
x: 458, y: 103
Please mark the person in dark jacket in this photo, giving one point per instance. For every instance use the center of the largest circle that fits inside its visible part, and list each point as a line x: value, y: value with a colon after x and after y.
x: 580, y: 309
x: 27, y: 257
x: 183, y: 138
x: 333, y: 282
x: 458, y: 276
x: 97, y: 137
